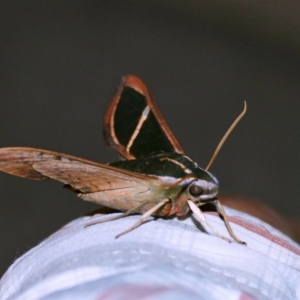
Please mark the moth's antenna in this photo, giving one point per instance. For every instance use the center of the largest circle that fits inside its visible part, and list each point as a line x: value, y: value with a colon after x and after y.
x: 226, y: 136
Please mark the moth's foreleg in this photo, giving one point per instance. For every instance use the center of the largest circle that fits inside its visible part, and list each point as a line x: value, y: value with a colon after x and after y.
x: 144, y: 217
x: 198, y: 213
x: 222, y: 212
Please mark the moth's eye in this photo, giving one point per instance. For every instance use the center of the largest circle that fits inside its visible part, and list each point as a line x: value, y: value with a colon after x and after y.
x: 195, y: 190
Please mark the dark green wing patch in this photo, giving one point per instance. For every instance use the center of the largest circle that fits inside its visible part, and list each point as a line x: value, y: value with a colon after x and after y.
x: 150, y: 138
x: 133, y: 124
x: 128, y: 112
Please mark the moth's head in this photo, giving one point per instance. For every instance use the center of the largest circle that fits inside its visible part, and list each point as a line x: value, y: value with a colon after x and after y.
x: 204, y: 188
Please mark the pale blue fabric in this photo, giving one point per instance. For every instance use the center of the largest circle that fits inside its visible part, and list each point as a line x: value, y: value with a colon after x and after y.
x: 162, y: 259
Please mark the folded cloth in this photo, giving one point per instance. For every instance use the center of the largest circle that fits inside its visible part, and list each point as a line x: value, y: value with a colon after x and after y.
x: 161, y: 259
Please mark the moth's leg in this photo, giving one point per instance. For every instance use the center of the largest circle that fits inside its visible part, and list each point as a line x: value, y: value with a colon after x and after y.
x: 144, y: 217
x: 113, y: 218
x: 222, y: 212
x: 198, y: 213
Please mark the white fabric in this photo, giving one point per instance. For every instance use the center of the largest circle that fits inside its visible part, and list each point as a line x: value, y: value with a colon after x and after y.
x: 162, y: 259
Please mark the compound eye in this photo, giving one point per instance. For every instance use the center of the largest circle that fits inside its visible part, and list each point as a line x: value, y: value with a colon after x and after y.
x: 195, y: 190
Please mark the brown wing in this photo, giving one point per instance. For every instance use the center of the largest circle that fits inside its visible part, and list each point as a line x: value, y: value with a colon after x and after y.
x: 133, y: 123
x: 84, y: 175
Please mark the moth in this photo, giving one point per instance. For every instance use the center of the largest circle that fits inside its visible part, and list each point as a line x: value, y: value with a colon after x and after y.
x: 154, y: 176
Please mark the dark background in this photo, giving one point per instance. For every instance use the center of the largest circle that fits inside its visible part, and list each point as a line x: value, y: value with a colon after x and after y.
x: 60, y: 63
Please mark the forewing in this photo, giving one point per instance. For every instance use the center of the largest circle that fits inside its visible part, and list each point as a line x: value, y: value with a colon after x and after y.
x: 133, y: 123
x: 83, y: 175
x: 19, y: 161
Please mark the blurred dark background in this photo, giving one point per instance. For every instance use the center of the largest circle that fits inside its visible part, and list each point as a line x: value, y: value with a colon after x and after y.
x: 60, y: 64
